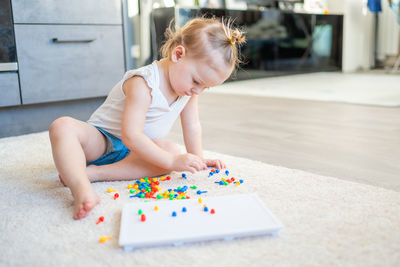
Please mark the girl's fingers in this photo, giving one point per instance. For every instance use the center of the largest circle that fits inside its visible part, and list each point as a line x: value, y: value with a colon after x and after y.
x: 223, y: 165
x: 203, y: 165
x: 192, y: 170
x: 196, y: 165
x: 219, y: 165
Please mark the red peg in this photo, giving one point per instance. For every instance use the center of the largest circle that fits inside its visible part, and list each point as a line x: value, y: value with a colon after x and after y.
x: 212, y: 211
x: 101, y: 219
x: 143, y: 217
x: 116, y: 195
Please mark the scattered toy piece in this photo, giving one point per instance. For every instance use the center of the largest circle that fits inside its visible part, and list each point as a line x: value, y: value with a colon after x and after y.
x: 177, y: 193
x: 109, y: 190
x: 200, y: 200
x: 140, y: 212
x: 199, y: 192
x: 212, y: 211
x: 229, y: 181
x: 184, y: 209
x: 184, y: 176
x: 156, y: 208
x: 116, y: 195
x: 143, y: 217
x: 104, y: 238
x: 174, y: 214
x: 101, y: 219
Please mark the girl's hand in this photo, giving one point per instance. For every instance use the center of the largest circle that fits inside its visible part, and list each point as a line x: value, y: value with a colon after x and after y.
x: 216, y: 163
x: 188, y: 162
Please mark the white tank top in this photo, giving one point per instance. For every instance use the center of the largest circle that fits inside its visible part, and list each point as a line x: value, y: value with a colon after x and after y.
x: 160, y: 116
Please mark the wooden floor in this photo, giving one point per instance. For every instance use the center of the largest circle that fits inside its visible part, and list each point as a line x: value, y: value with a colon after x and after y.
x: 351, y: 142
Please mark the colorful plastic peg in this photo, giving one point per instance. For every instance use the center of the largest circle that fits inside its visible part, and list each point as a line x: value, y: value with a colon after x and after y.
x: 143, y: 218
x: 104, y: 238
x: 109, y: 190
x: 116, y: 195
x: 101, y: 219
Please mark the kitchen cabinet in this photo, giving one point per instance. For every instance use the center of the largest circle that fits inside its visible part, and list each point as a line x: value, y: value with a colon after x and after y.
x: 68, y: 49
x: 68, y: 54
x: 64, y: 62
x: 9, y: 89
x: 67, y: 11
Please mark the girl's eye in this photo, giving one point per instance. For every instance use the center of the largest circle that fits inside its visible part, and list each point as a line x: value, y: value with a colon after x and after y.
x: 195, y: 82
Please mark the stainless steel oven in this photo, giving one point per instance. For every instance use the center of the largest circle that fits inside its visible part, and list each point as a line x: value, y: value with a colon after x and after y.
x: 8, y: 53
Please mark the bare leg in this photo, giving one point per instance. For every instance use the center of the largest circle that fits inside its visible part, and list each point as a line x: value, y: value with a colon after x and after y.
x: 74, y: 143
x: 130, y: 167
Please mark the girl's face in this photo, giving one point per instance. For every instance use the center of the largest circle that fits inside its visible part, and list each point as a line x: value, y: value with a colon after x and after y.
x: 190, y: 76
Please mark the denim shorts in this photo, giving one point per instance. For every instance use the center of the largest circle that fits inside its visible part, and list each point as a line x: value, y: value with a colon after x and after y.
x: 116, y: 150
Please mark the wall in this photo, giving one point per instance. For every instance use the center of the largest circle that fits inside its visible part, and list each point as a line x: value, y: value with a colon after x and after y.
x: 359, y: 33
x: 388, y: 32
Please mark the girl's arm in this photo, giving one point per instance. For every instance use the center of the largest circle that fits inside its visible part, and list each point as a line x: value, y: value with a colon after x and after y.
x: 192, y: 134
x: 138, y: 99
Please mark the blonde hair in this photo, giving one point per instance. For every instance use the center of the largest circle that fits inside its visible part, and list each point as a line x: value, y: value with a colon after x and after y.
x: 200, y: 35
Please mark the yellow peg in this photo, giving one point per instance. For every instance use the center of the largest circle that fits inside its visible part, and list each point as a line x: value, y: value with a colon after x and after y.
x: 104, y: 238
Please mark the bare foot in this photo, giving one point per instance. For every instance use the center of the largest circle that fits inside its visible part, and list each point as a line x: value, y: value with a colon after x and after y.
x: 84, y: 204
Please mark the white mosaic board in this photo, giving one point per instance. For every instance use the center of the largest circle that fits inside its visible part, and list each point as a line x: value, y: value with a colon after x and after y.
x: 235, y: 216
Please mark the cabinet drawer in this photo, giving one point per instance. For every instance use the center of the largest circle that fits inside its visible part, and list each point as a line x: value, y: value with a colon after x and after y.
x: 9, y: 89
x: 84, y: 62
x: 67, y: 11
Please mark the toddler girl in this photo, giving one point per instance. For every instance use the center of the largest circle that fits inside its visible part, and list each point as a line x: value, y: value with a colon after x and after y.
x: 123, y: 139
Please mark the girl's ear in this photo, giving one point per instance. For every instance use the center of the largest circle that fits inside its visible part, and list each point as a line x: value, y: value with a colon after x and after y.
x: 178, y: 53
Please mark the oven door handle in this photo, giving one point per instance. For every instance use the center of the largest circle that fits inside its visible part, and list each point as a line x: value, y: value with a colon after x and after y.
x: 58, y: 41
x: 9, y: 66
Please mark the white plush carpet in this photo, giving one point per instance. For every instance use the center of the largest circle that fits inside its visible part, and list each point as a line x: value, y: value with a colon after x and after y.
x: 328, y: 222
x: 357, y: 88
